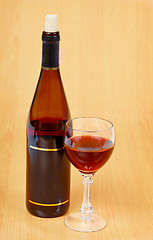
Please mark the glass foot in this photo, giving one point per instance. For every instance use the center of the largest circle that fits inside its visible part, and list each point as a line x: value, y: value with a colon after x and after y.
x: 75, y: 222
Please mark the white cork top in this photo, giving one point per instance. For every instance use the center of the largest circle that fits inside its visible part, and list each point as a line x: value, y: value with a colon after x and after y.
x: 51, y: 23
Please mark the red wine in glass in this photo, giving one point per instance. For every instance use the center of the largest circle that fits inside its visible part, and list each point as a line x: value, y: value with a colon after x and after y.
x: 89, y: 153
x: 89, y: 143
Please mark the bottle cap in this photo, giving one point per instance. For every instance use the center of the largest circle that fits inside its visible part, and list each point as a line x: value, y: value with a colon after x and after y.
x: 51, y: 23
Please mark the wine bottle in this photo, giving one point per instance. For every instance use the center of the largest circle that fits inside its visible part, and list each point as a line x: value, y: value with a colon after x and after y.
x: 48, y: 169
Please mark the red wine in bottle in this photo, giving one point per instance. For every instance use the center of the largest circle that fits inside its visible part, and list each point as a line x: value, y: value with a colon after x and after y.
x: 89, y: 153
x: 48, y: 169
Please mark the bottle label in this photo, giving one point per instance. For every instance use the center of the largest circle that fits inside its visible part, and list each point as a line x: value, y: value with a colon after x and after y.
x: 50, y: 54
x: 48, y: 171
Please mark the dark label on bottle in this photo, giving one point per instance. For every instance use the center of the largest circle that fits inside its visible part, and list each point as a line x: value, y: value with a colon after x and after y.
x: 50, y: 54
x: 48, y: 171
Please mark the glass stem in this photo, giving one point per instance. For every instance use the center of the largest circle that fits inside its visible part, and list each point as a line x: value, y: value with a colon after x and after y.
x: 86, y: 208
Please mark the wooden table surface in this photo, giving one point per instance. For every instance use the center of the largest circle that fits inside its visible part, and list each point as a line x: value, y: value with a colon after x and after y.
x: 106, y: 61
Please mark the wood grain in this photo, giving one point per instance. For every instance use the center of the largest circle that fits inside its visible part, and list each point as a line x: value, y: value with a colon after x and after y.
x: 106, y: 61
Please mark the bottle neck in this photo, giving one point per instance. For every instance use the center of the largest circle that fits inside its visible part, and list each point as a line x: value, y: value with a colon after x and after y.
x: 50, y: 50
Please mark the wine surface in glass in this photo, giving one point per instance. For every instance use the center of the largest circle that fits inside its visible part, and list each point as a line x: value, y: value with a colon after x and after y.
x: 89, y: 153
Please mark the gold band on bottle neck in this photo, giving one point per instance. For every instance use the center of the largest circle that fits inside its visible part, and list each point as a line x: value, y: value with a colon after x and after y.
x: 50, y: 68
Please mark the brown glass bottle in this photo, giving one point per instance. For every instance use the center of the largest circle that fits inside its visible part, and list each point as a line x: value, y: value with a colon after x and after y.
x: 48, y: 169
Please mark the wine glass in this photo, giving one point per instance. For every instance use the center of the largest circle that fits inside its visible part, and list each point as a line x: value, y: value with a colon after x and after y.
x: 89, y: 142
